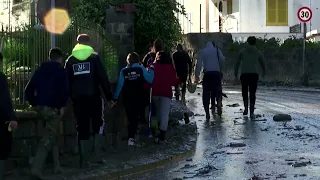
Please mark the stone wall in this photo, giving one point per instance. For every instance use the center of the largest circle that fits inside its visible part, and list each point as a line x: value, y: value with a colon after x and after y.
x: 120, y: 29
x: 30, y: 130
x: 196, y: 41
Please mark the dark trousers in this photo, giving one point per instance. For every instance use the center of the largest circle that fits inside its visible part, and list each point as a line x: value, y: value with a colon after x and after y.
x: 135, y: 113
x: 249, y: 82
x: 212, y: 88
x: 183, y: 80
x: 89, y: 111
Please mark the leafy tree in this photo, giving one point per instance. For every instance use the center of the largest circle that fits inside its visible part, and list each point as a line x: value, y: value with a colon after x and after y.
x: 154, y: 19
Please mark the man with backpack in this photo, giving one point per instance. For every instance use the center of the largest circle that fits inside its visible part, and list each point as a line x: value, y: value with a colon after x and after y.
x: 89, y: 85
x: 210, y: 59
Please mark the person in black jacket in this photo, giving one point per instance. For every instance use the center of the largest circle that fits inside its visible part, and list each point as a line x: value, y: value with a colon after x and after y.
x: 87, y: 77
x: 8, y: 120
x: 183, y: 67
x: 47, y: 90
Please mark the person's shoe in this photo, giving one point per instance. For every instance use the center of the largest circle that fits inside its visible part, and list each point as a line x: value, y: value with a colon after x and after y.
x: 245, y: 112
x: 252, y: 111
x: 131, y: 142
x: 84, y: 153
x: 186, y: 118
x: 56, y: 161
x: 252, y: 116
x: 98, y: 140
x: 219, y: 111
x: 39, y: 159
x: 183, y: 99
x: 219, y: 108
x: 159, y: 141
x: 207, y: 116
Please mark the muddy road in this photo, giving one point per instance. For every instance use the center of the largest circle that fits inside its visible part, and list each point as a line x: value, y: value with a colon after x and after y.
x: 236, y: 148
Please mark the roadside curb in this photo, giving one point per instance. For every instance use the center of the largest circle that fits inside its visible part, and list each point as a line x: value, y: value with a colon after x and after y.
x: 148, y: 167
x: 141, y: 168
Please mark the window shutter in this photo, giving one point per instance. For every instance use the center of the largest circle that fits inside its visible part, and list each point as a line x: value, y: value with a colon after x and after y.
x: 271, y: 12
x: 282, y: 12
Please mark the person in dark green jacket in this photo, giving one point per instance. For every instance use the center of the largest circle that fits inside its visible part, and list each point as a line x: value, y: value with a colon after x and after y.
x: 249, y: 60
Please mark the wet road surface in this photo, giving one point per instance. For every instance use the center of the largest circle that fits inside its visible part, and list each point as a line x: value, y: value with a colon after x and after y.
x: 236, y: 148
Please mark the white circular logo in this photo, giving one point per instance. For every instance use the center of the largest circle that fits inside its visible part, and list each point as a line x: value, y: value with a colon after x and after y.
x: 304, y: 14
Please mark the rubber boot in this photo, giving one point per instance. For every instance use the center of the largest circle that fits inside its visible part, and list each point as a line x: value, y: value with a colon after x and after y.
x: 84, y: 153
x: 219, y: 107
x: 177, y: 92
x: 213, y: 106
x: 38, y: 162
x: 98, y: 140
x: 183, y: 99
x: 245, y: 112
x: 2, y: 168
x: 56, y: 160
x: 161, y: 138
x: 252, y: 111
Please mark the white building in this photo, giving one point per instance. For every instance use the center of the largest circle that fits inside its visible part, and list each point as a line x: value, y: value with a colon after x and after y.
x: 246, y: 16
x: 14, y: 13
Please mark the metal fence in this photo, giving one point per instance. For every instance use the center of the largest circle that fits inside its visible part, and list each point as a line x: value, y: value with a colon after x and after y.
x: 25, y: 48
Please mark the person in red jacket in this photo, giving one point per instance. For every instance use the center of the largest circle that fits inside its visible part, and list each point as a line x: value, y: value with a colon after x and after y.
x: 165, y: 77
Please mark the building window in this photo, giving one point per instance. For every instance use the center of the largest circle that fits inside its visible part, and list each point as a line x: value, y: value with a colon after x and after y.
x: 229, y: 7
x: 277, y: 13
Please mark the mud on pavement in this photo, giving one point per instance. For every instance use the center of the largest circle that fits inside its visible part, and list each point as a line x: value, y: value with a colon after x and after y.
x: 128, y: 160
x: 236, y: 148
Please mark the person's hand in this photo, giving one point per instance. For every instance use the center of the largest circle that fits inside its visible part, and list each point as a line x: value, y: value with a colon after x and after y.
x: 62, y: 111
x: 13, y: 124
x: 197, y: 79
x: 112, y: 103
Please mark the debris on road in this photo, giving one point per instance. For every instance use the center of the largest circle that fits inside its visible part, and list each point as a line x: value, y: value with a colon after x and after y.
x: 234, y: 153
x: 263, y: 120
x: 281, y: 176
x: 233, y: 105
x: 264, y: 129
x: 255, y: 178
x: 282, y: 117
x: 236, y: 145
x: 252, y: 162
x: 298, y: 128
x: 301, y: 164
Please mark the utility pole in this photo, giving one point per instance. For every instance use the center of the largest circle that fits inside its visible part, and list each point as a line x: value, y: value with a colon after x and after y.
x: 304, y: 65
x: 200, y: 18
x: 52, y: 35
x: 310, y: 24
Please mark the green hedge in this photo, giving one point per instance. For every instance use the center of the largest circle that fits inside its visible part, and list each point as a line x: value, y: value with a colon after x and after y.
x: 283, y: 60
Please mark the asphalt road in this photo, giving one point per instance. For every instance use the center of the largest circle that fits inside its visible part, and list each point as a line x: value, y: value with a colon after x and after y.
x: 260, y: 149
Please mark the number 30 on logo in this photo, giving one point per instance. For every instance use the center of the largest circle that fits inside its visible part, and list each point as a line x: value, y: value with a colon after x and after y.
x: 304, y: 14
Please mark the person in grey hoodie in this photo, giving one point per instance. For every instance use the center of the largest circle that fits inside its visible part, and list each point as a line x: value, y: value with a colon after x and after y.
x: 250, y: 58
x: 210, y: 59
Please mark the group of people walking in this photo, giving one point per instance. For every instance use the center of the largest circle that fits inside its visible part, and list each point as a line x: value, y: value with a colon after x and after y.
x: 84, y: 81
